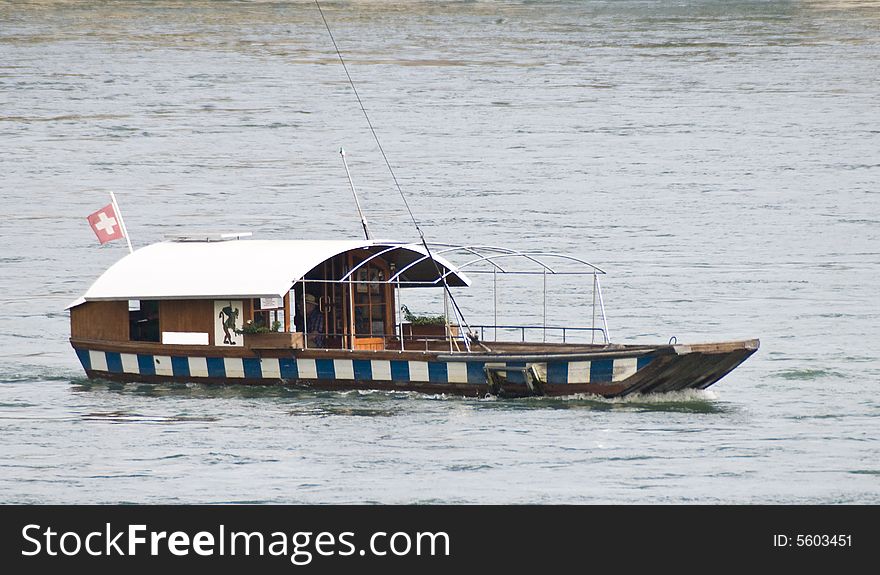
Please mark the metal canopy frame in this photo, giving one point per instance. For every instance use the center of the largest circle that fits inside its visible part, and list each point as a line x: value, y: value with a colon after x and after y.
x: 488, y: 256
x: 484, y: 254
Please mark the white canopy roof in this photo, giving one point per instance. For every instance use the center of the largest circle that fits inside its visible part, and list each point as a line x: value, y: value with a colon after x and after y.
x: 248, y: 268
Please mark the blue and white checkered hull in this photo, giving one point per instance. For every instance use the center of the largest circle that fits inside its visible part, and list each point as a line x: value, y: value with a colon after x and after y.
x: 608, y: 372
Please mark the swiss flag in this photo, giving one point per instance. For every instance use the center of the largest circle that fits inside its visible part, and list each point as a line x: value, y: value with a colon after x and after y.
x: 106, y: 225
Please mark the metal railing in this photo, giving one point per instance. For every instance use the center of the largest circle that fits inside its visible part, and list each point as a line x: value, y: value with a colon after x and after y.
x: 394, y: 341
x: 563, y: 330
x: 390, y: 342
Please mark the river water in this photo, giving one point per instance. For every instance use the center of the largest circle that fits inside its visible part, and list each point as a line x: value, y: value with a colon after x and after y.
x: 720, y: 160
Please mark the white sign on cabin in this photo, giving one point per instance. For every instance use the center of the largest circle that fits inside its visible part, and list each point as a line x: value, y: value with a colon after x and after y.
x: 184, y: 338
x: 271, y: 303
x: 227, y: 319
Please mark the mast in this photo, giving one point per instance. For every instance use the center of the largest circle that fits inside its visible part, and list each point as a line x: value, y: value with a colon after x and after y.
x: 357, y: 202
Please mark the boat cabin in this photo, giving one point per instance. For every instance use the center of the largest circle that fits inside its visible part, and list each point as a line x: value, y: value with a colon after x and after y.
x: 230, y: 292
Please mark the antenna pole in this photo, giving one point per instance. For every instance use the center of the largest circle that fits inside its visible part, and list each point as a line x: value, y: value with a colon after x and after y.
x: 354, y: 193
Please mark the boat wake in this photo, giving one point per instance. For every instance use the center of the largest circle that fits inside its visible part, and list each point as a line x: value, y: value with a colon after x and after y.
x: 685, y: 401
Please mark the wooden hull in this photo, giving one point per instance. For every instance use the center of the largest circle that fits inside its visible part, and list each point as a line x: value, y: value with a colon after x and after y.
x: 509, y: 371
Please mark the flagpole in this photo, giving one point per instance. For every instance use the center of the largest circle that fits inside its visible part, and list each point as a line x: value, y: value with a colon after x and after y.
x: 121, y: 221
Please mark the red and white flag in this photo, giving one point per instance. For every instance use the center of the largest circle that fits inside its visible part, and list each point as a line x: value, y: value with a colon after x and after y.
x: 106, y: 224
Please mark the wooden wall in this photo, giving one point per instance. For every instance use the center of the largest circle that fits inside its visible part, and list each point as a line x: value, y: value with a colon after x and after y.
x: 187, y: 316
x: 108, y: 320
x: 104, y: 320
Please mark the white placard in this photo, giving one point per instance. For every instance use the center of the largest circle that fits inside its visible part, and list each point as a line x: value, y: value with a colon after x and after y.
x: 184, y: 338
x: 271, y: 302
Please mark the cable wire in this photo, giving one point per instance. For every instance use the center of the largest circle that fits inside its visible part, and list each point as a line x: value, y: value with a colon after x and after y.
x: 391, y: 170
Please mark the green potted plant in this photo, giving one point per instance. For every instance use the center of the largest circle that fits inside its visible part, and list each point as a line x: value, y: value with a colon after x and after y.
x: 425, y: 325
x: 251, y: 328
x: 268, y: 337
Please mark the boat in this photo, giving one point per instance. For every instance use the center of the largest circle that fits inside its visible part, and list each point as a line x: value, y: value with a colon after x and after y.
x: 326, y: 314
x: 329, y: 314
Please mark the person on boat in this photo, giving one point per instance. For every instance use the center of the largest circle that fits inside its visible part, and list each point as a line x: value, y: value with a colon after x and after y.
x: 314, y: 321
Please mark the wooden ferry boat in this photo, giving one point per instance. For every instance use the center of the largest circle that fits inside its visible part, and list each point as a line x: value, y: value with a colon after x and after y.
x: 326, y: 314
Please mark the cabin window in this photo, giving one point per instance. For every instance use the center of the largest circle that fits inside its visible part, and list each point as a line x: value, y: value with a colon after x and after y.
x: 355, y: 308
x: 370, y: 300
x: 143, y: 320
x: 268, y: 311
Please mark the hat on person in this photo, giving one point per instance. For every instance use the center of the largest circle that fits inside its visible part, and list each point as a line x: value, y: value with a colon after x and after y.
x: 311, y: 299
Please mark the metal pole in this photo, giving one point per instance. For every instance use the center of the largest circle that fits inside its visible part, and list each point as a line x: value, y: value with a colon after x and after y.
x: 121, y: 221
x: 356, y: 200
x: 446, y: 315
x: 602, y: 304
x: 545, y: 305
x: 399, y: 318
x: 352, y: 325
x: 593, y: 326
x: 495, y: 296
x: 305, y: 318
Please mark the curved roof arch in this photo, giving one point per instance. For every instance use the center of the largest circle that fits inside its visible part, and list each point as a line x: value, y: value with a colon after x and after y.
x: 249, y: 268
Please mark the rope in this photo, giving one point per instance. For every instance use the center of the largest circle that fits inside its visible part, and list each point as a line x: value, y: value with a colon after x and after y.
x: 391, y: 170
